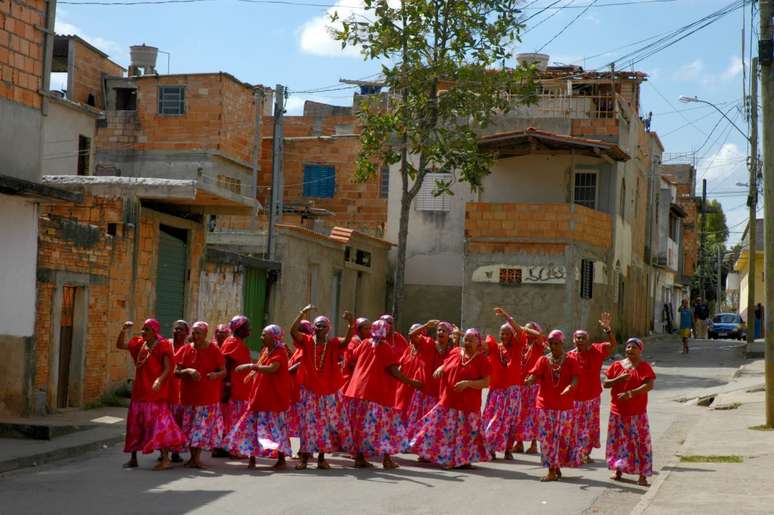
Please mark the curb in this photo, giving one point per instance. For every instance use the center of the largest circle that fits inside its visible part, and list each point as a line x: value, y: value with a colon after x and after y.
x: 35, y: 460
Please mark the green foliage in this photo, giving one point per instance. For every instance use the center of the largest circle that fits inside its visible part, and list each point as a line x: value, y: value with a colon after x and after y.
x: 711, y: 459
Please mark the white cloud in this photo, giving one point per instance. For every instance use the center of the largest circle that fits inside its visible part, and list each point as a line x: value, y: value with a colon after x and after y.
x: 690, y: 72
x: 315, y: 37
x: 116, y: 51
x: 726, y: 166
x: 733, y: 70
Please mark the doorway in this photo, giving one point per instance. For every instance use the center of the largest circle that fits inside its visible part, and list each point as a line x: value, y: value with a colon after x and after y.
x: 66, y: 323
x: 171, y: 276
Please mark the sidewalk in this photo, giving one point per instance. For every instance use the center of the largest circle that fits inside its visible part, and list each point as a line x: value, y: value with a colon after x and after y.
x: 693, y: 483
x: 72, y: 433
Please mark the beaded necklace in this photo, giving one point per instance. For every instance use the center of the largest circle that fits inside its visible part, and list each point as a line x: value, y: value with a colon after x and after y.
x: 556, y: 368
x: 319, y: 363
x: 148, y: 350
x: 462, y: 357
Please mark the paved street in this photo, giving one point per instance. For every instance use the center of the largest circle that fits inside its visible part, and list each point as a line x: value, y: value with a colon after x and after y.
x: 96, y: 483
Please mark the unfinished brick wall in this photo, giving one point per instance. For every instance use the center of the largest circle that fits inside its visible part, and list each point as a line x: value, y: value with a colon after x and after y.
x: 535, y: 224
x: 90, y: 66
x: 74, y: 238
x: 595, y: 129
x: 21, y: 50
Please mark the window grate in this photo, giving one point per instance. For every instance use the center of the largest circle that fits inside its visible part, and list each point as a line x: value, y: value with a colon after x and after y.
x: 587, y: 278
x: 427, y: 200
x: 586, y: 189
x: 384, y: 182
x: 171, y: 100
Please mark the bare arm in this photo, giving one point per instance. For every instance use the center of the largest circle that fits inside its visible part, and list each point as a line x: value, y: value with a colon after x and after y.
x: 121, y: 339
x: 294, y: 332
x: 163, y: 376
x: 609, y: 383
x: 476, y: 384
x: 263, y: 369
x: 643, y: 388
x: 217, y: 374
x: 530, y: 380
x: 509, y: 320
x: 395, y: 372
x: 350, y: 318
x: 605, y: 321
x: 427, y: 325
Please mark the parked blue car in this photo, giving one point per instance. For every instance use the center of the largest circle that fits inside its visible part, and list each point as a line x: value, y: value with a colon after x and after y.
x: 727, y: 325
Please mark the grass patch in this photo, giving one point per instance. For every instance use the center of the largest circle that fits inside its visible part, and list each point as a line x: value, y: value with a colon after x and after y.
x: 723, y: 407
x: 711, y: 459
x: 762, y: 427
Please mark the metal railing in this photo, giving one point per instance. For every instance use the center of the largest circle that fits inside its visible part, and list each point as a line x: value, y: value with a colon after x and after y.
x: 584, y: 107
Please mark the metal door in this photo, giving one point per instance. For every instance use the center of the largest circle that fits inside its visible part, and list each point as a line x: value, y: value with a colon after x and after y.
x: 170, y: 278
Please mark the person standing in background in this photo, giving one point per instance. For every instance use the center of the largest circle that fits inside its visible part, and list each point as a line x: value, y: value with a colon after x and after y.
x: 686, y: 323
x: 701, y: 312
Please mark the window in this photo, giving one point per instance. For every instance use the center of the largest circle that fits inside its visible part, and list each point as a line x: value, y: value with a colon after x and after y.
x: 229, y: 183
x: 673, y: 227
x: 363, y: 258
x: 510, y: 276
x: 84, y: 153
x: 171, y: 100
x: 587, y: 278
x: 622, y: 208
x: 319, y: 181
x: 126, y: 99
x: 427, y: 200
x: 384, y: 182
x: 585, y: 191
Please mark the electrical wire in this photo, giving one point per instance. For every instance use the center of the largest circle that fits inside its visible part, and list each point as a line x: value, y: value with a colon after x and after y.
x: 563, y: 29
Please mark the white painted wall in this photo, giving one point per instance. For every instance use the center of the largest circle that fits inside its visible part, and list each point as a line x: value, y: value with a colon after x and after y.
x: 61, y: 129
x: 18, y: 260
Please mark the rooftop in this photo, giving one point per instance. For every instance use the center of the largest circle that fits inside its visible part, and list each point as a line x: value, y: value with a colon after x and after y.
x: 527, y: 141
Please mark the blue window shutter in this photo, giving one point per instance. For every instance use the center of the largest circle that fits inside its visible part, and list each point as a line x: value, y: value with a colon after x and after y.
x: 319, y: 181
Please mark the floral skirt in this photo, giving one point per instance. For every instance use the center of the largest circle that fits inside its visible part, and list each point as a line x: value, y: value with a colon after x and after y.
x: 232, y: 412
x: 259, y: 434
x: 293, y: 418
x: 558, y: 447
x: 450, y: 437
x: 501, y: 417
x: 587, y: 425
x: 629, y: 447
x: 528, y: 421
x: 177, y: 410
x: 376, y: 430
x: 150, y: 427
x: 204, y: 426
x: 421, y: 404
x: 324, y: 424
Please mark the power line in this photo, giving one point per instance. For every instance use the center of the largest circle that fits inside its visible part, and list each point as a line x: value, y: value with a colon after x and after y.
x: 563, y: 29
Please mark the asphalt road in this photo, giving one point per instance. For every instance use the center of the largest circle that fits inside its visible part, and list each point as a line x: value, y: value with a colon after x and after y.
x: 96, y: 483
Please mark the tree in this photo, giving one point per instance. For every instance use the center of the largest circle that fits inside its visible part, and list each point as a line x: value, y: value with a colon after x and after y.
x: 440, y: 62
x: 716, y: 237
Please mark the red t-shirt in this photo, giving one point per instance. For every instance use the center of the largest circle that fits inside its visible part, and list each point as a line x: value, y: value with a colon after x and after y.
x: 234, y: 348
x: 296, y: 377
x: 413, y: 366
x: 433, y: 359
x: 531, y: 353
x: 205, y: 391
x: 370, y: 380
x: 348, y: 362
x: 639, y: 375
x: 149, y: 366
x: 327, y: 379
x: 551, y: 387
x: 589, y: 384
x: 271, y: 392
x: 506, y: 363
x: 174, y: 384
x: 454, y: 371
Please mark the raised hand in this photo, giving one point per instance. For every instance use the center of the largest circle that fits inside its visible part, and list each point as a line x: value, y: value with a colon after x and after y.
x: 432, y: 323
x: 605, y: 321
x: 500, y: 312
x: 128, y: 325
x: 348, y: 316
x: 308, y: 308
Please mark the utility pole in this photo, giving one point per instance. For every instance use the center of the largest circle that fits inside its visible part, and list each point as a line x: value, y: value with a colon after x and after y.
x: 752, y: 201
x: 259, y: 97
x: 275, y: 210
x: 718, y: 288
x: 765, y: 57
x: 702, y: 240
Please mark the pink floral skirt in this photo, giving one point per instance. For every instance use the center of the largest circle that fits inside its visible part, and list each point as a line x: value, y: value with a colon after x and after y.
x: 150, y: 427
x: 259, y: 434
x: 204, y: 426
x: 528, y: 421
x: 324, y: 424
x: 177, y: 413
x: 232, y: 412
x: 558, y: 447
x: 450, y: 437
x: 587, y: 425
x: 293, y: 418
x: 421, y: 404
x: 501, y: 417
x: 376, y: 430
x: 629, y: 447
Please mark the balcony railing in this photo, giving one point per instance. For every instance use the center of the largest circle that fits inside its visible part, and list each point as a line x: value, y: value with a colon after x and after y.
x: 579, y: 107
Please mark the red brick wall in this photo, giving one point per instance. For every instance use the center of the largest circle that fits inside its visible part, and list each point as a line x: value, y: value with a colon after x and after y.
x: 595, y: 128
x: 543, y: 222
x: 90, y: 66
x: 21, y: 50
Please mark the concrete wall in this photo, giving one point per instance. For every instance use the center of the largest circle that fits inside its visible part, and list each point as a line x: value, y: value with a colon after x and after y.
x: 744, y: 282
x: 221, y: 293
x: 61, y: 129
x: 20, y: 141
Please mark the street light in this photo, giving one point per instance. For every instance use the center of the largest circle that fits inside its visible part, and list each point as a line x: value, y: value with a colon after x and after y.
x: 689, y: 100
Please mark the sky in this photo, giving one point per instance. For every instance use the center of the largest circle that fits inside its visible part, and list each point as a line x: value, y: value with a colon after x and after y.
x: 276, y: 43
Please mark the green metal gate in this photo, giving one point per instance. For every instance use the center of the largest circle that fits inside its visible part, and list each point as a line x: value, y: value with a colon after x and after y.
x: 170, y: 278
x: 255, y: 304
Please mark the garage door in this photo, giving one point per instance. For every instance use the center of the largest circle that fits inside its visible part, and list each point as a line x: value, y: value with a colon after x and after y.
x: 170, y: 279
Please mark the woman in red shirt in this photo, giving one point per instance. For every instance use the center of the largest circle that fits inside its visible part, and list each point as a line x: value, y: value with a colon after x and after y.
x: 362, y: 332
x: 296, y: 380
x: 412, y: 365
x: 180, y: 333
x: 557, y: 374
x: 629, y: 449
x: 324, y: 424
x: 261, y: 431
x: 590, y: 357
x: 451, y: 434
x: 221, y: 333
x: 149, y: 423
x: 426, y: 353
x: 377, y: 427
x: 503, y: 402
x: 201, y: 367
x: 534, y: 348
x: 235, y: 390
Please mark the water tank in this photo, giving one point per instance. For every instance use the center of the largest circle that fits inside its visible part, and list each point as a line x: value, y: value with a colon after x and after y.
x: 143, y: 56
x: 539, y: 60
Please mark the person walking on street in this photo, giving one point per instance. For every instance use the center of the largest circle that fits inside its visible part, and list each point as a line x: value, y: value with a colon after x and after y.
x: 701, y: 312
x: 686, y: 323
